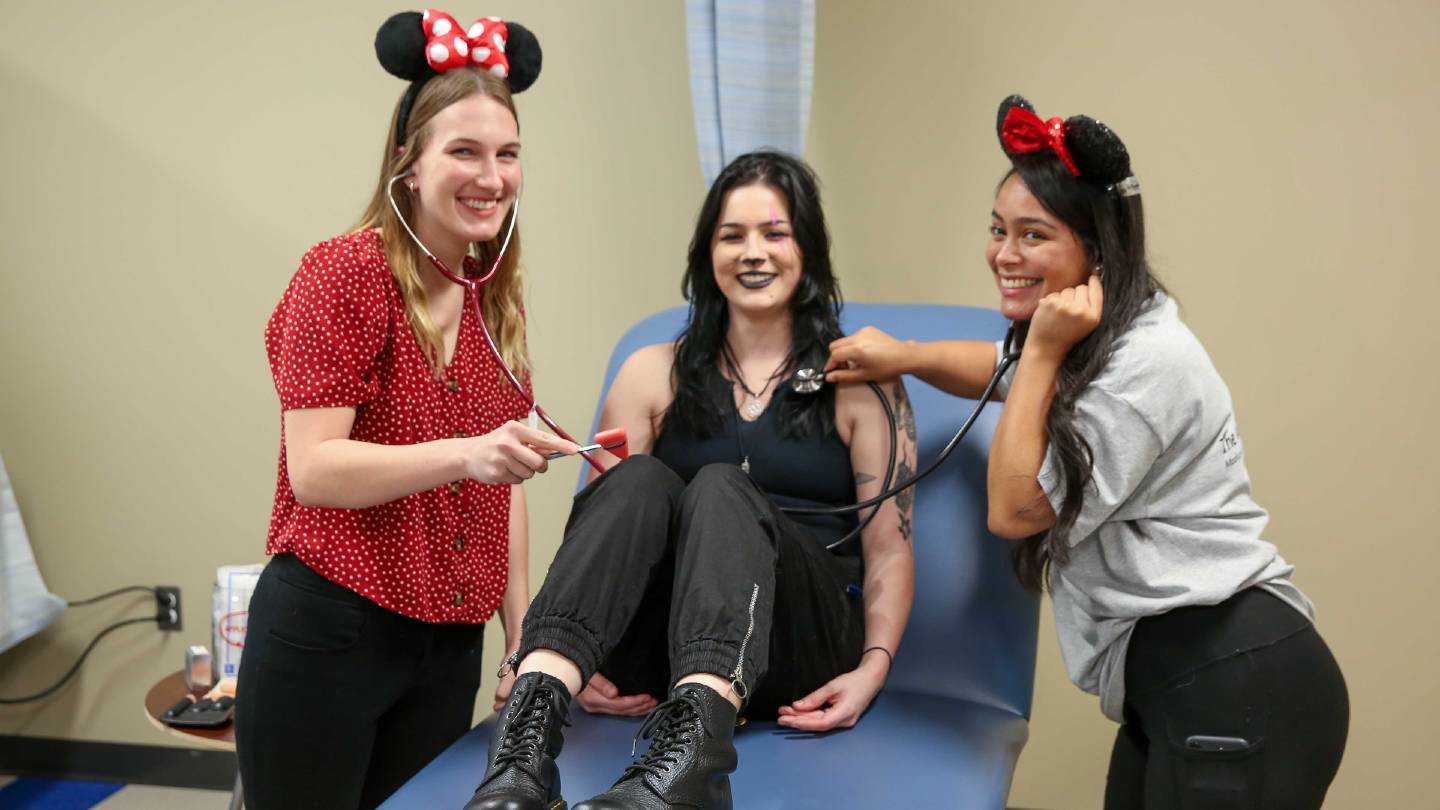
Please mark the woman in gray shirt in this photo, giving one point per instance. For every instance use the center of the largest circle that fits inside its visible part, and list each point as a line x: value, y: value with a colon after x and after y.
x: 1118, y: 470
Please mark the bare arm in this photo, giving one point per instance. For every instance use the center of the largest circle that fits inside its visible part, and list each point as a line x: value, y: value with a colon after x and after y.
x: 517, y: 583
x: 517, y: 589
x: 328, y: 468
x: 889, y: 587
x: 959, y: 367
x: 1018, y: 507
x: 639, y: 395
x: 886, y: 542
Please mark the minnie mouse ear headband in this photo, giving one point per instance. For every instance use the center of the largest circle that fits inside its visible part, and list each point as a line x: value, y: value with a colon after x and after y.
x: 417, y: 47
x: 1087, y: 148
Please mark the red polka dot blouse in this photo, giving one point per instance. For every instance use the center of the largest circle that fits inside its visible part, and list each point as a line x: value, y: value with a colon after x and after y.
x: 340, y: 338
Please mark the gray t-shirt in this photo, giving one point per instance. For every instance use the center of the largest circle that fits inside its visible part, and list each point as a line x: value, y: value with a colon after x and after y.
x: 1168, y: 520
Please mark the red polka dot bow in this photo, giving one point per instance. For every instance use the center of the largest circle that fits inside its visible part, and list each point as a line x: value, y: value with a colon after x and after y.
x: 447, y: 46
x: 1023, y: 132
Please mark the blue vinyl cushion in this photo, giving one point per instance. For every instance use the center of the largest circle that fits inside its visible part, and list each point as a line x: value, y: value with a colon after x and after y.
x: 950, y: 723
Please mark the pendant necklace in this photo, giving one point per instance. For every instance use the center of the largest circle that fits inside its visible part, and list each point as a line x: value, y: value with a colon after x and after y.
x: 753, y: 406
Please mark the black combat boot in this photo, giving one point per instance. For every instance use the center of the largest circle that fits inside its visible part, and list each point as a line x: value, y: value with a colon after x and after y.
x: 521, y: 773
x: 689, y: 761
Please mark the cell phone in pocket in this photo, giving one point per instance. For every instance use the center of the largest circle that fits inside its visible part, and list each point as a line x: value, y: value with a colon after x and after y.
x: 1201, y: 742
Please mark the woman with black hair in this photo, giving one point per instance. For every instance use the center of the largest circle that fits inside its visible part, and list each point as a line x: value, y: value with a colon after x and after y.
x: 679, y: 575
x: 1118, y: 469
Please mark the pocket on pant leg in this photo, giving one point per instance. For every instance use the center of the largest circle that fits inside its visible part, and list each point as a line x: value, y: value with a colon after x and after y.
x: 313, y: 622
x: 1212, y: 725
x: 1218, y: 779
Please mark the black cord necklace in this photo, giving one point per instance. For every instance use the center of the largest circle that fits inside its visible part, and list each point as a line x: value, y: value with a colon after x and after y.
x: 754, y: 406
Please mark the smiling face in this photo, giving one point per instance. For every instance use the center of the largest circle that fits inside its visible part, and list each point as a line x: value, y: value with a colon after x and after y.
x: 1031, y: 252
x: 466, y: 175
x: 756, y: 262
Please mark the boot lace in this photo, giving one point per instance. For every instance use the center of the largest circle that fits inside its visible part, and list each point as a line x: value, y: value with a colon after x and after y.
x: 671, y: 727
x: 525, y: 738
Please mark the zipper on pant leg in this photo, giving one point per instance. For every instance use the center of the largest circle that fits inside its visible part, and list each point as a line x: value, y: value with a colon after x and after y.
x: 737, y: 678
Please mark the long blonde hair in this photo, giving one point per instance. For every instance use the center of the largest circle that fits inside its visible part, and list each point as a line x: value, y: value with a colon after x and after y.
x: 502, y: 298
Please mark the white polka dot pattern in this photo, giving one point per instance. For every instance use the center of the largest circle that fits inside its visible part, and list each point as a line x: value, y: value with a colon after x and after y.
x: 340, y: 338
x: 482, y: 44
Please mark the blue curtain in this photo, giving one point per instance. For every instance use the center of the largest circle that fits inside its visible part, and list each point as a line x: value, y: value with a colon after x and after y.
x: 752, y: 68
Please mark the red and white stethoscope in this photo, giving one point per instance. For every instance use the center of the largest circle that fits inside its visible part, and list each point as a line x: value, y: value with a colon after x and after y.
x: 472, y: 286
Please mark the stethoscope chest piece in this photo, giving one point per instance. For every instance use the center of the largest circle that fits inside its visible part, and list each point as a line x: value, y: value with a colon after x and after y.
x: 807, y: 381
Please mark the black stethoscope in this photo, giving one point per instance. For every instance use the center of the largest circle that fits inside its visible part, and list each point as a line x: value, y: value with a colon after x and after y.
x: 809, y: 381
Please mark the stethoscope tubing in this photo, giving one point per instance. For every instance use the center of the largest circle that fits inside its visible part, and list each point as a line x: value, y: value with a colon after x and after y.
x: 472, y: 288
x: 1000, y: 369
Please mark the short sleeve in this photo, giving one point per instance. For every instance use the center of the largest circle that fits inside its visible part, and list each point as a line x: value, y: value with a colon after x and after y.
x: 1125, y: 448
x: 326, y: 335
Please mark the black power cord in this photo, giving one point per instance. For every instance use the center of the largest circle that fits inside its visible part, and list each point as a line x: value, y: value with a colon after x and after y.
x: 76, y: 668
x: 102, y: 597
x: 103, y: 633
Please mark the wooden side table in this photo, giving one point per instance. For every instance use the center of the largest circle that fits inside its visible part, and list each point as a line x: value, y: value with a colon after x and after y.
x: 166, y: 693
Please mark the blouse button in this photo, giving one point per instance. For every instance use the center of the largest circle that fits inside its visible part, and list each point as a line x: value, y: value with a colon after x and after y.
x: 453, y: 384
x: 458, y: 598
x: 454, y: 487
x: 459, y: 434
x: 459, y: 546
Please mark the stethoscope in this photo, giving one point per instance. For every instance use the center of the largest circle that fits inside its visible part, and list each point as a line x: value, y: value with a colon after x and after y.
x: 472, y: 290
x: 810, y: 381
x: 804, y: 381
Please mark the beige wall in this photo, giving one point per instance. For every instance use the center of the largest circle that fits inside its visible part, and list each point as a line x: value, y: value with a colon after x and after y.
x: 160, y: 195
x: 1287, y: 152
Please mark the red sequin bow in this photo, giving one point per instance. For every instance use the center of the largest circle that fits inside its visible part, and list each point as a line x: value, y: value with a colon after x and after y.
x: 1023, y: 132
x: 447, y: 46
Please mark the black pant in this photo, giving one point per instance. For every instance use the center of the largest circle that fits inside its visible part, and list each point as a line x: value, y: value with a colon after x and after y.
x: 657, y: 580
x: 1251, y: 669
x: 340, y: 700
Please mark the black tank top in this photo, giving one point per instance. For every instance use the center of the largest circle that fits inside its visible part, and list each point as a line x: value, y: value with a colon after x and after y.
x: 807, y: 472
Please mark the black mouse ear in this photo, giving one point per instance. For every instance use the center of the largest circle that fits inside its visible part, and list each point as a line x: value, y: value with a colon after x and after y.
x: 523, y: 51
x: 1099, y: 153
x: 400, y: 47
x: 1009, y: 103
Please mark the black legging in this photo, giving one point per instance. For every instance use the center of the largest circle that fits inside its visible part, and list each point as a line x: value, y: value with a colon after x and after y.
x: 1251, y: 669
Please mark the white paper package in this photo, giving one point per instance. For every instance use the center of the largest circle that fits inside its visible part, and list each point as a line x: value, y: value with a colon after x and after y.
x: 229, y: 610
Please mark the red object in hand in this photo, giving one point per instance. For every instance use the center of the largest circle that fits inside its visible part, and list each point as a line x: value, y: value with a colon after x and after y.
x: 615, y: 441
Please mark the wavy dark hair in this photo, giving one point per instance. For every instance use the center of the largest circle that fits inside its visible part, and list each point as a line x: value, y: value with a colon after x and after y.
x: 814, y: 307
x: 1112, y: 229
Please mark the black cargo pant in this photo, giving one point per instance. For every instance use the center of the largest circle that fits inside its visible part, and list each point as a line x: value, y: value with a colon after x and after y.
x: 1235, y: 706
x: 656, y: 580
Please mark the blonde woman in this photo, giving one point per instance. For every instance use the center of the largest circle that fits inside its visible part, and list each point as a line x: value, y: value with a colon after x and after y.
x: 397, y: 530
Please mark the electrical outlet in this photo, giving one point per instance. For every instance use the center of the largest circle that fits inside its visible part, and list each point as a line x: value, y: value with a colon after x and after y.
x: 167, y: 607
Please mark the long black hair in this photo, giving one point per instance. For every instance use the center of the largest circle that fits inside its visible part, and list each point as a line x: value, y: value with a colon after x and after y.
x: 1111, y: 226
x: 814, y: 306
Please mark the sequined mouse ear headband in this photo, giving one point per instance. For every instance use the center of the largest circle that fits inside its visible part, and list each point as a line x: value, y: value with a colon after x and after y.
x: 418, y: 47
x: 1087, y: 148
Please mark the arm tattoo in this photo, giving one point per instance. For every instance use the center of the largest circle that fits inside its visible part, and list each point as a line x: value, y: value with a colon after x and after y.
x: 904, y: 416
x: 861, y: 479
x: 905, y: 422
